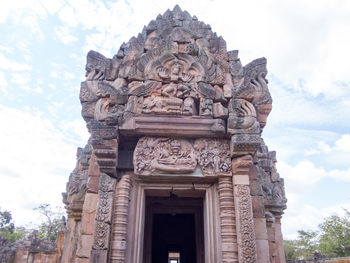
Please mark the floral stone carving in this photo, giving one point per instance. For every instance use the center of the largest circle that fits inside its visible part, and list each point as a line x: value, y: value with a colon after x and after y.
x: 213, y: 156
x: 164, y: 155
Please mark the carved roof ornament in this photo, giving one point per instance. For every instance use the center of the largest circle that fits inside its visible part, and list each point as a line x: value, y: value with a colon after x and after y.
x: 176, y: 66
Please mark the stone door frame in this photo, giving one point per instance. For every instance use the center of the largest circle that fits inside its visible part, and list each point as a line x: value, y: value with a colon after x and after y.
x: 143, y: 187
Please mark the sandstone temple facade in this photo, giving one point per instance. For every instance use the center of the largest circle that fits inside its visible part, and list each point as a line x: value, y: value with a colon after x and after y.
x: 175, y: 169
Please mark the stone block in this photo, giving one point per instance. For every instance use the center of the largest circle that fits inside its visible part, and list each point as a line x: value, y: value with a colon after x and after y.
x: 90, y: 203
x: 93, y: 167
x: 262, y: 249
x: 88, y: 91
x: 258, y: 206
x: 255, y: 187
x: 98, y: 255
x: 241, y: 179
x: 82, y: 260
x: 242, y: 144
x: 88, y: 110
x: 260, y: 229
x: 84, y: 246
x: 92, y: 184
x: 253, y: 173
x: 219, y: 111
x: 88, y: 223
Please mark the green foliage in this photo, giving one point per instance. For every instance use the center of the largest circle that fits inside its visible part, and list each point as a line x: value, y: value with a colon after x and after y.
x: 331, y: 239
x: 335, y: 236
x: 48, y: 229
x: 303, y: 247
x: 52, y: 222
x: 291, y: 250
x: 8, y: 229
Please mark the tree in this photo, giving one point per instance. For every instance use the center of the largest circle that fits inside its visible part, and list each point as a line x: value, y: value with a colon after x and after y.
x: 8, y: 229
x: 53, y: 222
x: 307, y: 243
x: 335, y: 236
x: 303, y: 247
x: 291, y: 250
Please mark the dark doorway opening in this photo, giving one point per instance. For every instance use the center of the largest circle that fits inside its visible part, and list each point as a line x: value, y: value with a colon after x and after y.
x: 173, y: 233
x: 173, y: 226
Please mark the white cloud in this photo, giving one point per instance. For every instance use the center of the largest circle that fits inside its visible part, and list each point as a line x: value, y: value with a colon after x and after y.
x: 21, y: 79
x: 3, y: 84
x: 322, y: 148
x: 35, y: 162
x: 343, y: 144
x: 300, y: 177
x: 301, y: 216
x: 9, y: 64
x: 64, y: 34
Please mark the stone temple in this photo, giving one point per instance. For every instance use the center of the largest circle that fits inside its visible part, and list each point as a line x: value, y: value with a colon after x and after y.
x: 175, y: 169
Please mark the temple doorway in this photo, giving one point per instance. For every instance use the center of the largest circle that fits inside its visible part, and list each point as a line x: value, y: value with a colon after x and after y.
x: 174, y: 230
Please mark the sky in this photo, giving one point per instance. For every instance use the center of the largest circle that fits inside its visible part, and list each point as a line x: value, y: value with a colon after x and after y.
x: 43, y: 47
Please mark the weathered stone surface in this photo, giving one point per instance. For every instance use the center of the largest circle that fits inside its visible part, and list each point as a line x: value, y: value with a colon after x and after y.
x: 219, y: 111
x: 272, y: 184
x: 163, y: 155
x: 85, y: 246
x: 88, y: 90
x: 165, y: 126
x: 213, y: 156
x: 203, y: 114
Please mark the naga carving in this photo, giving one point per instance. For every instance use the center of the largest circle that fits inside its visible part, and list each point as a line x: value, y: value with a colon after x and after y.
x: 74, y: 196
x: 163, y: 155
x: 271, y: 182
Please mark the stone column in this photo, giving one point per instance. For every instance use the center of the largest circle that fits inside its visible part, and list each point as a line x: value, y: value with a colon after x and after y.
x: 262, y: 243
x: 105, y: 141
x: 279, y: 240
x: 103, y: 219
x: 227, y: 220
x: 270, y: 223
x: 120, y: 220
x: 243, y: 210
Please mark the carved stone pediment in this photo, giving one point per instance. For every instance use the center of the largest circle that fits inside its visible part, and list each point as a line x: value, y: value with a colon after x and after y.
x: 163, y: 156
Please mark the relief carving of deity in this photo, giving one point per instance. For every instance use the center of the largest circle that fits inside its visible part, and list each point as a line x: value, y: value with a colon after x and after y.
x: 163, y: 156
x: 213, y: 156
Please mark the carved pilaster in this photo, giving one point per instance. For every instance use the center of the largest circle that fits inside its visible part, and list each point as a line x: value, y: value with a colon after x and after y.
x: 227, y: 220
x: 243, y: 208
x: 120, y: 220
x: 103, y: 219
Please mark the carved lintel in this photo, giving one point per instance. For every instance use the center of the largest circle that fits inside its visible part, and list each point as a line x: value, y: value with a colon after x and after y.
x: 241, y: 165
x: 156, y: 155
x: 245, y: 224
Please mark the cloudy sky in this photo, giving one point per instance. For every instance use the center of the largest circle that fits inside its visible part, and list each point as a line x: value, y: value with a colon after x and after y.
x: 43, y: 47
